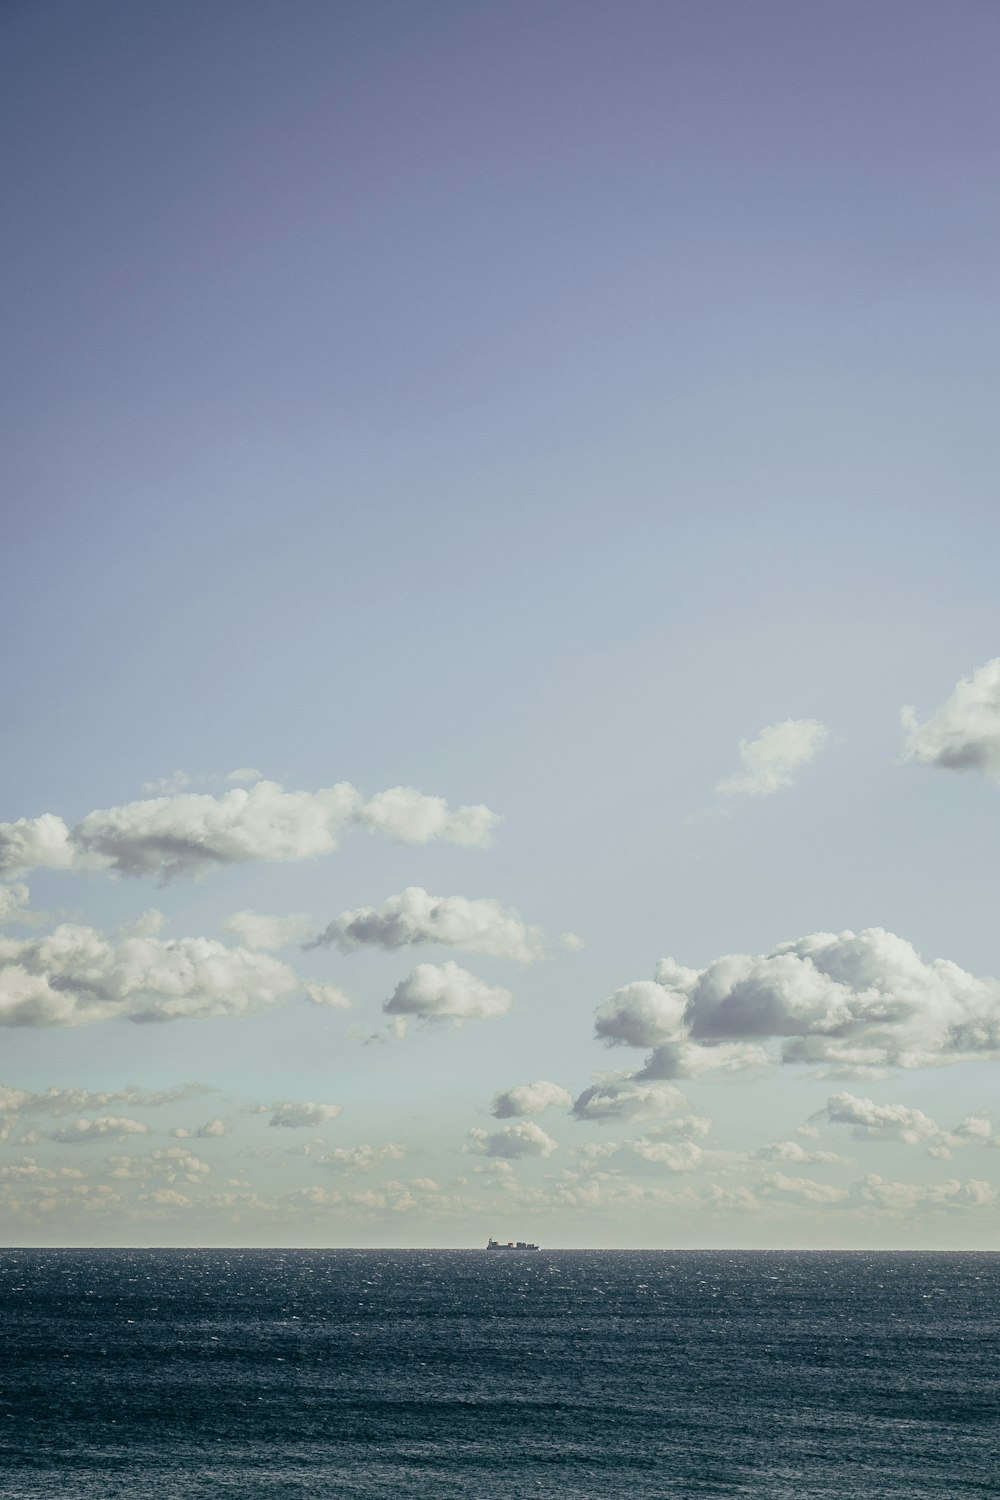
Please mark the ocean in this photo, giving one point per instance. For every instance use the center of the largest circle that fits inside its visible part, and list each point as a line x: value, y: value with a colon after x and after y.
x: 585, y: 1374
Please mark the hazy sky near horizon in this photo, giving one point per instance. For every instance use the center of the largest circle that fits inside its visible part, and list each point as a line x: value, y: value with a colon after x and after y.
x: 483, y: 484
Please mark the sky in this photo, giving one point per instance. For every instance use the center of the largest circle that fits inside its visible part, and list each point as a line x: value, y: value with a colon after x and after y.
x: 502, y: 645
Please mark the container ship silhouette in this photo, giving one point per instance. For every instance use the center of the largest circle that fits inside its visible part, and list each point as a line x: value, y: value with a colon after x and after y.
x: 492, y: 1244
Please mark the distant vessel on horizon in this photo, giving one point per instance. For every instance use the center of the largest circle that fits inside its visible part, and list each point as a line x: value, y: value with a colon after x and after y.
x: 492, y: 1244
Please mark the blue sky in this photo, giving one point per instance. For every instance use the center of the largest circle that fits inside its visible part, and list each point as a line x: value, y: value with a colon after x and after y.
x: 525, y: 406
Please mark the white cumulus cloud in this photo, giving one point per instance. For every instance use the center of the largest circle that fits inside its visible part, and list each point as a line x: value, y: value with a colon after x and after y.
x: 883, y: 1122
x: 414, y: 917
x: 855, y: 1002
x: 13, y: 901
x: 964, y: 733
x: 531, y: 1099
x: 512, y: 1142
x: 76, y: 974
x: 627, y: 1099
x: 192, y: 833
x: 35, y: 843
x: 185, y: 833
x: 445, y: 992
x: 770, y: 761
x: 413, y: 818
x: 328, y: 995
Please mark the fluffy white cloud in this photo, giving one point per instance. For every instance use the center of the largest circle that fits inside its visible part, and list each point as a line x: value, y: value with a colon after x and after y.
x: 645, y: 1013
x: 75, y: 974
x: 263, y: 934
x: 627, y: 1099
x: 478, y: 926
x: 413, y: 818
x: 186, y: 833
x: 114, y: 1127
x: 964, y: 733
x: 857, y: 1002
x: 293, y: 1115
x: 681, y: 1156
x: 882, y: 1122
x: 328, y: 995
x: 192, y: 833
x: 531, y: 1099
x: 512, y: 1142
x: 35, y: 843
x: 900, y: 1122
x: 445, y: 992
x: 13, y: 901
x: 770, y: 760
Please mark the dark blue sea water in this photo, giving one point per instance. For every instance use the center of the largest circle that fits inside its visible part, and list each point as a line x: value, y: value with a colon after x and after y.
x: 458, y: 1373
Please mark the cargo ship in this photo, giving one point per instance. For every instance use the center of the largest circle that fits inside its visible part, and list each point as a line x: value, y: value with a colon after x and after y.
x: 492, y: 1244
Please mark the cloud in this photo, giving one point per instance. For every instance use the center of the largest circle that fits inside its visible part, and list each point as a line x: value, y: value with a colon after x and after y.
x: 684, y: 1127
x: 881, y: 1122
x: 172, y: 1164
x: 627, y: 1099
x: 902, y: 1197
x: 794, y: 1152
x: 203, y: 1132
x: 35, y: 843
x: 770, y: 760
x: 681, y: 1156
x: 964, y: 733
x: 149, y: 923
x: 328, y: 995
x: 103, y: 1127
x: 478, y: 926
x: 289, y: 1115
x: 855, y: 1002
x: 60, y: 1101
x: 411, y: 817
x: 75, y: 974
x: 512, y: 1142
x: 362, y: 1158
x: 28, y: 1169
x: 801, y: 1188
x: 192, y: 833
x: 13, y: 901
x: 178, y: 781
x: 644, y: 1013
x: 531, y: 1099
x: 447, y: 993
x: 167, y: 1198
x: 263, y: 934
x: 184, y: 833
x: 900, y: 1122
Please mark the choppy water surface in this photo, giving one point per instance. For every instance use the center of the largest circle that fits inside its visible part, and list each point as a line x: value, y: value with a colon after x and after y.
x: 435, y: 1373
